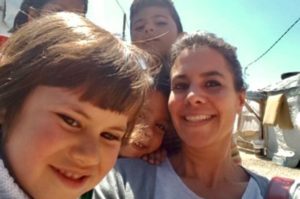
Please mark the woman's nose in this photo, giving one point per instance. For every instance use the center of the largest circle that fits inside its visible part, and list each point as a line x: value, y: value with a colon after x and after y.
x: 195, y: 96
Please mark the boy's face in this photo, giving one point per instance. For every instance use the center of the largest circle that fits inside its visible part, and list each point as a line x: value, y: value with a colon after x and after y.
x: 151, y: 126
x: 61, y: 147
x: 154, y: 30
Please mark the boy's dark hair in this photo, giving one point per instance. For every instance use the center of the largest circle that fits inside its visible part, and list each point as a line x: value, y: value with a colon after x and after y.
x: 67, y: 50
x: 22, y: 16
x: 138, y: 5
x: 161, y: 81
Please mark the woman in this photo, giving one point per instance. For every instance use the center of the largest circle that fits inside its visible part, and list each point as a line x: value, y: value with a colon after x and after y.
x: 69, y: 94
x: 207, y: 91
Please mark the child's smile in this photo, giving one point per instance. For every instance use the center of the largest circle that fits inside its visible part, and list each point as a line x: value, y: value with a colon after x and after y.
x: 65, y: 145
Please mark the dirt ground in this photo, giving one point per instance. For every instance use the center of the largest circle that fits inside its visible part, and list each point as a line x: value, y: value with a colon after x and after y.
x: 266, y: 167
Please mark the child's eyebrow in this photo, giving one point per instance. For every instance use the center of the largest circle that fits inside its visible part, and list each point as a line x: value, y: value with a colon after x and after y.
x: 159, y: 15
x: 119, y: 128
x: 138, y: 21
x: 79, y: 111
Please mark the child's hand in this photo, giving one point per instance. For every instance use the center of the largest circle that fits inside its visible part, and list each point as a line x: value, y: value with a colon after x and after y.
x: 155, y: 157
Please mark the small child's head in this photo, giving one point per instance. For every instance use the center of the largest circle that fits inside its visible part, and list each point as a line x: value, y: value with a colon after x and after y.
x: 69, y: 94
x: 152, y: 123
x: 30, y: 9
x: 154, y: 25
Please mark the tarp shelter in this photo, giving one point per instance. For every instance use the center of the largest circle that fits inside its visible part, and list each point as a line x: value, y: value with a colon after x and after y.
x: 8, y: 10
x: 270, y: 122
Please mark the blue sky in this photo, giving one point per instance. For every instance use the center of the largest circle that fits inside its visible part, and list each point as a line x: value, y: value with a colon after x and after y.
x: 251, y: 26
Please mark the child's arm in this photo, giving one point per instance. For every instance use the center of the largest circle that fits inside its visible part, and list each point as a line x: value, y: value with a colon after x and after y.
x: 155, y: 157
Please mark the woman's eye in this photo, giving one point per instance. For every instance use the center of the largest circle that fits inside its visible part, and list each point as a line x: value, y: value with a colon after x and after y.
x: 212, y: 84
x: 70, y: 121
x: 180, y: 86
x: 109, y: 136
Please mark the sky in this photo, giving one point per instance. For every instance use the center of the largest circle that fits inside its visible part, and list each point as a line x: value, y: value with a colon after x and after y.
x: 251, y: 26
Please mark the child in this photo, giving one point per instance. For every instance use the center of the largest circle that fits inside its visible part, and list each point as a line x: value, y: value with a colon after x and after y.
x: 31, y: 9
x: 154, y: 26
x: 152, y: 124
x: 69, y: 94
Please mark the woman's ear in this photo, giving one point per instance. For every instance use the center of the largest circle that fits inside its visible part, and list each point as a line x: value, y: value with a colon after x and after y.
x: 241, y: 100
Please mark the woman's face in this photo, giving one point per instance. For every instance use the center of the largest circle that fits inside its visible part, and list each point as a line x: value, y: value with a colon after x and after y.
x: 59, y: 146
x: 154, y: 30
x: 151, y: 126
x: 203, y: 100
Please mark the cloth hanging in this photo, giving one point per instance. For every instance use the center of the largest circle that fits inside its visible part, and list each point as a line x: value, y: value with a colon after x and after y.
x: 277, y: 112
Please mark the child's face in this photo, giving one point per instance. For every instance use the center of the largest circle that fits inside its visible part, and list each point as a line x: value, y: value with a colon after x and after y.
x: 61, y: 147
x: 64, y: 5
x: 151, y: 126
x: 156, y: 27
x: 76, y: 6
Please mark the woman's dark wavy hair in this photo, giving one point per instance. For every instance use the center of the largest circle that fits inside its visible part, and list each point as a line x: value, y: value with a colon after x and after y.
x: 138, y: 5
x: 198, y: 39
x: 22, y: 16
x: 68, y: 51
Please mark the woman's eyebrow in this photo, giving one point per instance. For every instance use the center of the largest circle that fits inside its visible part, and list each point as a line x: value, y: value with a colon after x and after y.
x: 212, y: 73
x: 179, y: 77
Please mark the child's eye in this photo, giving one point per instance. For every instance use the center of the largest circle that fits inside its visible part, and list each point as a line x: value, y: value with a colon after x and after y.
x: 212, y: 84
x: 161, y: 23
x: 70, y: 121
x: 109, y: 136
x: 139, y: 28
x: 180, y: 86
x: 162, y: 128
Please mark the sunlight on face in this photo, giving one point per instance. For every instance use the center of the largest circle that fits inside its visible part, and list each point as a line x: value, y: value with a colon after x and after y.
x: 203, y: 101
x: 153, y: 29
x: 61, y: 147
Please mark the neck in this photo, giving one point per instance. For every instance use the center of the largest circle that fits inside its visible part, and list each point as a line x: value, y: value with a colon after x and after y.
x: 210, y: 164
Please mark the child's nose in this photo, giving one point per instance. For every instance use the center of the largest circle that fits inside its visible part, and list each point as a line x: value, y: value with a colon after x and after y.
x: 149, y: 28
x: 85, y: 152
x: 149, y: 132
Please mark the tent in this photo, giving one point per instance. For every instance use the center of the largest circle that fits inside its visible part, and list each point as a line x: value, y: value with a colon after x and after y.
x: 8, y: 10
x: 270, y: 122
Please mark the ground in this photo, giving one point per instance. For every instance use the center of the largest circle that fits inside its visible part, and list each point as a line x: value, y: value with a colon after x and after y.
x: 266, y: 167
